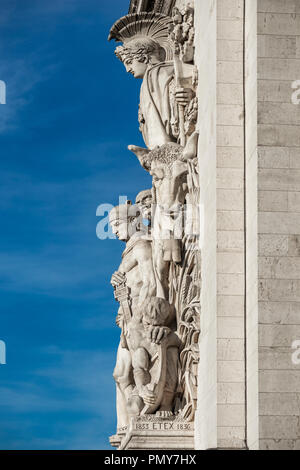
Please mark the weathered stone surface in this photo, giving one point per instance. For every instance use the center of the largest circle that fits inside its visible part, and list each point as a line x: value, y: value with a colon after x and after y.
x: 278, y: 336
x: 279, y: 381
x: 273, y: 245
x: 230, y: 220
x: 280, y: 444
x: 230, y: 30
x: 231, y: 263
x: 231, y: 371
x: 228, y: 93
x: 155, y: 433
x: 230, y: 241
x: 231, y: 348
x: 279, y: 427
x: 276, y: 201
x: 231, y: 305
x: 275, y: 91
x: 277, y: 358
x: 280, y: 268
x: 278, y: 6
x: 158, y: 282
x: 232, y: 437
x: 278, y: 222
x: 274, y: 157
x: 230, y: 9
x: 273, y: 23
x: 231, y: 393
x: 277, y: 46
x: 279, y: 290
x: 249, y: 201
x: 285, y: 313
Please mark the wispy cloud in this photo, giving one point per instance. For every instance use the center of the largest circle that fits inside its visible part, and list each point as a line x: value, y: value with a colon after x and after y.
x: 21, y: 77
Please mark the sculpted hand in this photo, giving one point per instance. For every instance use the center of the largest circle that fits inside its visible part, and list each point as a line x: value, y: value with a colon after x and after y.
x: 184, y: 96
x: 117, y: 279
x: 158, y: 333
x: 119, y: 320
x: 148, y: 396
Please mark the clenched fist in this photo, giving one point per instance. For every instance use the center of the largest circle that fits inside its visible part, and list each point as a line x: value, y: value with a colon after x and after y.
x: 158, y: 333
x: 117, y: 279
x: 184, y: 96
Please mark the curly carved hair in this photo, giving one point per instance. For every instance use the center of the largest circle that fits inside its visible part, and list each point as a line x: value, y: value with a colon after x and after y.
x: 140, y: 49
x: 167, y: 154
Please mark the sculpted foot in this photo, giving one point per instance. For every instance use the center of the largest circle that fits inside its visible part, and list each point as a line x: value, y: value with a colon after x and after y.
x: 148, y: 396
x: 134, y: 405
x: 164, y: 414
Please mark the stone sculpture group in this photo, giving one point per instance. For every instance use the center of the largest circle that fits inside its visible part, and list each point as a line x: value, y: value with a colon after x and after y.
x: 158, y: 282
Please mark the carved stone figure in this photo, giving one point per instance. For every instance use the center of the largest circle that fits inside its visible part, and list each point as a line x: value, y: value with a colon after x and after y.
x: 147, y: 53
x: 145, y: 201
x: 159, y: 6
x: 158, y: 283
x: 146, y: 371
x: 174, y: 173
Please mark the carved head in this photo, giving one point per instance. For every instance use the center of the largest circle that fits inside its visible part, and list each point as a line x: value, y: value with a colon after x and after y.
x: 163, y: 156
x: 125, y: 220
x: 145, y: 38
x: 140, y: 53
x: 157, y: 311
x: 144, y: 201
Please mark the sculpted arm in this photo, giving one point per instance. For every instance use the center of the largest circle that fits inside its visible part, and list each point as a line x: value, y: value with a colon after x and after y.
x: 120, y: 276
x: 143, y: 255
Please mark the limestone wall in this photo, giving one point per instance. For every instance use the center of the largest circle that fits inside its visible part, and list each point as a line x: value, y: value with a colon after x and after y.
x: 251, y: 345
x: 250, y: 131
x: 279, y: 222
x: 230, y: 224
x: 228, y: 158
x: 205, y: 41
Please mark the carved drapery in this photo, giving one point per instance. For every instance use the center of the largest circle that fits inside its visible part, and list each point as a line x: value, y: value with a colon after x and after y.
x: 158, y: 282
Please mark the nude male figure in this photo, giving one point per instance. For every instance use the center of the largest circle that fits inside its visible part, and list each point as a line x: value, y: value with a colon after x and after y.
x: 143, y: 318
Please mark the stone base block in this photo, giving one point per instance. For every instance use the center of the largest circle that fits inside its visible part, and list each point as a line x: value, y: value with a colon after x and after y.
x: 155, y: 433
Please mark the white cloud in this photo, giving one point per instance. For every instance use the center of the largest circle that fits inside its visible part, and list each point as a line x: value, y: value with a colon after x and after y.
x: 20, y: 76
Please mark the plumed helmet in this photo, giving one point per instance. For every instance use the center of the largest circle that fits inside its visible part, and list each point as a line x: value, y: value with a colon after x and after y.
x: 150, y: 26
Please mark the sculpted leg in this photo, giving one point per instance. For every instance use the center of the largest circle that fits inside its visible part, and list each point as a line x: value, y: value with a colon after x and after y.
x: 124, y: 382
x: 166, y: 407
x: 162, y: 269
x: 141, y: 363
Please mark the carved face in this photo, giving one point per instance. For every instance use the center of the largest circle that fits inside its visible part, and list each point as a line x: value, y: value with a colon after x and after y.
x: 138, y: 54
x: 146, y: 206
x: 158, y: 171
x: 136, y: 68
x: 120, y: 229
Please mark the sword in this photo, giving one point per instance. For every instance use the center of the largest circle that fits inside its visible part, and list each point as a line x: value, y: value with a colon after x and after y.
x: 122, y: 295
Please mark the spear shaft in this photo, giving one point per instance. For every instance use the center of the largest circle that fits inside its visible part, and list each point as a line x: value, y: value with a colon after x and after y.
x: 178, y: 78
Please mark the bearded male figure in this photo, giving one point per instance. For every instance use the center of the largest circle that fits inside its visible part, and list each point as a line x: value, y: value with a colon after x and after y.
x: 147, y: 362
x: 144, y: 200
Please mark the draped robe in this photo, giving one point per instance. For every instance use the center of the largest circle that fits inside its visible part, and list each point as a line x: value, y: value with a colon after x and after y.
x: 157, y: 114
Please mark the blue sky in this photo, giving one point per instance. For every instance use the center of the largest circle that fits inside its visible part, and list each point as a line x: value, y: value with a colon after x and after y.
x: 71, y: 112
